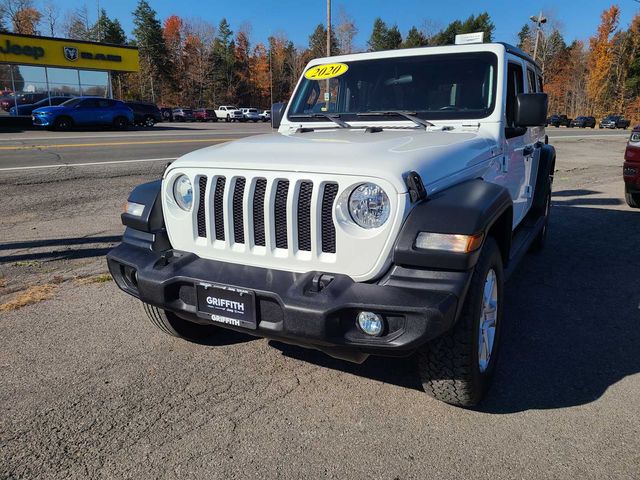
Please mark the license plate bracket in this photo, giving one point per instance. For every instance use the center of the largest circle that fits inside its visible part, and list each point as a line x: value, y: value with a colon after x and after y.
x: 227, y: 305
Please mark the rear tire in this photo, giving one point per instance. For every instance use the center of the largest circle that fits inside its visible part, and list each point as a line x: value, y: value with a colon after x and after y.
x: 171, y: 324
x: 633, y: 199
x: 149, y: 121
x: 120, y: 123
x: 456, y: 368
x: 541, y: 239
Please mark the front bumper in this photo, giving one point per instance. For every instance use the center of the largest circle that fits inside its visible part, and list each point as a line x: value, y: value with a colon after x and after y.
x: 42, y: 120
x: 309, y: 309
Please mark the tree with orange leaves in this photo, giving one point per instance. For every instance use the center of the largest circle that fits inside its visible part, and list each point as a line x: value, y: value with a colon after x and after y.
x: 26, y: 21
x: 601, y: 59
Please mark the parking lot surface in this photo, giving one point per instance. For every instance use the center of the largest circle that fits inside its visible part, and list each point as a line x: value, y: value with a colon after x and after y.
x: 89, y: 389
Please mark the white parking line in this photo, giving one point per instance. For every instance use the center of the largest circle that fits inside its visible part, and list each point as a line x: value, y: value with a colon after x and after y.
x: 63, y: 165
x: 132, y: 135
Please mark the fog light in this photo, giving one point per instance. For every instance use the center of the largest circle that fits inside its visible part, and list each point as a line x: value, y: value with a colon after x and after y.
x: 370, y: 323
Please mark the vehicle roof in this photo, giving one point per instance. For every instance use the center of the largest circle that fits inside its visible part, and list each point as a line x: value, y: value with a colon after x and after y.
x: 498, y: 48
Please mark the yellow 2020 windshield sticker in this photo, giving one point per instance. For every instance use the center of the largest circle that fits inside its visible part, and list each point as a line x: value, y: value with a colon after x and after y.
x: 323, y: 72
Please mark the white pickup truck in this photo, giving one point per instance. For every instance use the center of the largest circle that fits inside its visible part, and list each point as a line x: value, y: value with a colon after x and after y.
x: 229, y: 113
x: 383, y: 217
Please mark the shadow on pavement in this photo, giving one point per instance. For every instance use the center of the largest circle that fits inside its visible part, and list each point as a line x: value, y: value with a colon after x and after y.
x: 572, y: 318
x: 67, y: 254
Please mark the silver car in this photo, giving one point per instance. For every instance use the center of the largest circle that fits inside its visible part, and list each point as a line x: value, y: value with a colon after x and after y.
x: 250, y: 114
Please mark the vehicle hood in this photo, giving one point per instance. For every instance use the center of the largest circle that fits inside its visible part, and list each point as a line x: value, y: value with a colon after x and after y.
x: 389, y: 154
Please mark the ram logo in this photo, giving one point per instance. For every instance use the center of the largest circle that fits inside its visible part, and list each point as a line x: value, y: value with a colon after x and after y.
x: 70, y: 53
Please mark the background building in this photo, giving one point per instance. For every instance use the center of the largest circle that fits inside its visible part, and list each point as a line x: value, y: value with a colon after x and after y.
x: 33, y: 68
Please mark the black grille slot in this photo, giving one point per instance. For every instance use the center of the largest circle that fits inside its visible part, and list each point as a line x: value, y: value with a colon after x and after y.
x: 328, y: 228
x: 218, y: 212
x: 304, y: 216
x: 238, y: 218
x: 280, y: 213
x: 202, y: 219
x: 258, y: 212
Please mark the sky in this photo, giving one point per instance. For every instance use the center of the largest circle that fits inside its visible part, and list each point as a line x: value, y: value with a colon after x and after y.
x: 577, y: 20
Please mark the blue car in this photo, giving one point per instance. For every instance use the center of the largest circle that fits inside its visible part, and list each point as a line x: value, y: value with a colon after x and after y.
x: 84, y: 112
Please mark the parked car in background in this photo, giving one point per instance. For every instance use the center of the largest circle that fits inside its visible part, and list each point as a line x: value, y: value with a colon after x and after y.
x: 558, y: 121
x: 229, y: 113
x: 631, y: 169
x: 265, y: 115
x: 28, y: 108
x: 9, y: 101
x: 145, y: 114
x: 167, y: 114
x: 84, y: 111
x: 205, y: 115
x: 182, y: 115
x: 614, y: 121
x: 583, y: 122
x: 250, y: 115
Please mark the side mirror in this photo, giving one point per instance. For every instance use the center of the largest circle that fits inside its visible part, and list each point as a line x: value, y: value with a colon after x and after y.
x: 531, y: 109
x: 277, y: 112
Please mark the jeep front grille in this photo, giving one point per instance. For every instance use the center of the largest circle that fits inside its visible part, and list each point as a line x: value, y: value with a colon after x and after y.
x: 242, y: 209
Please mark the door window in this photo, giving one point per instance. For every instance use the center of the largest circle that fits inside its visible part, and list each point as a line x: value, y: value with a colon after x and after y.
x: 515, y: 85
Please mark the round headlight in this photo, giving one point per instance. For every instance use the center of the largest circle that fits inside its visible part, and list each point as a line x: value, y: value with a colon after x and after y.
x: 369, y: 206
x: 183, y: 192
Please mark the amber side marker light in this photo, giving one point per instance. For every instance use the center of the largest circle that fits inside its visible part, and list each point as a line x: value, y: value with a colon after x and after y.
x: 449, y: 242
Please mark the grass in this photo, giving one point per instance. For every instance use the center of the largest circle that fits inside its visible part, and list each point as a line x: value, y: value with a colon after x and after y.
x: 31, y: 295
x: 30, y: 263
x: 101, y: 278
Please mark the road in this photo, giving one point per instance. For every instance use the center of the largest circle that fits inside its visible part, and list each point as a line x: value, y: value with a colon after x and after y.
x: 91, y: 390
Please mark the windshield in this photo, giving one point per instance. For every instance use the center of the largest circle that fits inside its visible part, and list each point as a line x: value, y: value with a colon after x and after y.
x: 434, y: 87
x: 71, y: 103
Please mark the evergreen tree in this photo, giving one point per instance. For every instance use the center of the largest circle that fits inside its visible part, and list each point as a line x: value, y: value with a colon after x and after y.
x: 107, y: 30
x: 415, y: 38
x: 383, y: 37
x: 224, y: 63
x: 318, y: 42
x: 152, y: 49
x: 473, y: 24
x: 378, y: 38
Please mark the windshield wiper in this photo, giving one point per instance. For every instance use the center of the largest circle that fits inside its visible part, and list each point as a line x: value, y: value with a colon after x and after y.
x: 400, y: 113
x: 334, y: 118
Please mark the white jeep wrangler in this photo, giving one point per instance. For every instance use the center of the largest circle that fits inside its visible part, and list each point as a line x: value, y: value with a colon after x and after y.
x: 383, y: 218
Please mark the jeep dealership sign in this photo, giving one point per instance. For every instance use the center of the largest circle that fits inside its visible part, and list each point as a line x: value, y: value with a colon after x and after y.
x: 45, y: 51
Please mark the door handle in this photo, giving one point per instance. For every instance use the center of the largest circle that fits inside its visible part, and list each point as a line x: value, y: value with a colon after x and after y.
x: 527, y: 151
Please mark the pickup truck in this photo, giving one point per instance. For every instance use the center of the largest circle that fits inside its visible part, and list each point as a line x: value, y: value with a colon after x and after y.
x: 229, y: 113
x: 383, y: 217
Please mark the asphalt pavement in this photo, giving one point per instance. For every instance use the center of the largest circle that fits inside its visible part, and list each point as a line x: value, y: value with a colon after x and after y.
x: 89, y: 389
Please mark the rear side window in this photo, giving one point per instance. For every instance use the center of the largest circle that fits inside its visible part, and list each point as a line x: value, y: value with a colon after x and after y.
x: 515, y: 85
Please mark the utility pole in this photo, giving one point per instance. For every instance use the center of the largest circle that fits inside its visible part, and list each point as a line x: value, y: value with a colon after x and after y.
x: 328, y: 28
x: 539, y: 20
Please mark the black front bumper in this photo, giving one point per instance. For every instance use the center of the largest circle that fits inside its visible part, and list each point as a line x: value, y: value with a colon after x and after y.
x: 311, y: 309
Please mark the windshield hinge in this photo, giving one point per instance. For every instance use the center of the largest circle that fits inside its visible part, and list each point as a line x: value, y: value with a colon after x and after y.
x: 416, y: 188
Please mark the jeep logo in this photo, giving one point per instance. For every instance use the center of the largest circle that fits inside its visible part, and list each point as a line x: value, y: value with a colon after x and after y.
x: 26, y: 50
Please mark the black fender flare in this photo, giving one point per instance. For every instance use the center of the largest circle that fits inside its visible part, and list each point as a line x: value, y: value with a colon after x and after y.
x: 544, y: 178
x: 469, y: 208
x: 146, y: 230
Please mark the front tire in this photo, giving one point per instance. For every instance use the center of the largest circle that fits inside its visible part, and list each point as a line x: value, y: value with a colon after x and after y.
x: 171, y: 324
x: 120, y: 123
x: 62, y: 124
x: 458, y: 367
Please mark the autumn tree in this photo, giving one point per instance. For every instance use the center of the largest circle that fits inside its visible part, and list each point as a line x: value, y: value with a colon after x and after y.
x: 50, y: 18
x: 345, y: 31
x: 260, y: 77
x: 76, y: 25
x: 243, y: 67
x: 601, y: 59
x: 26, y: 21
